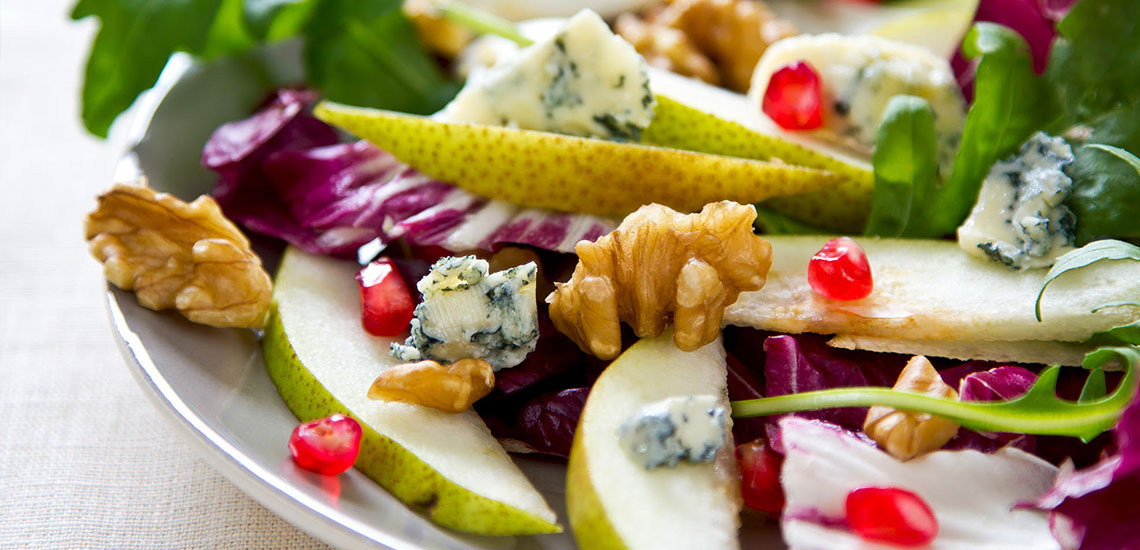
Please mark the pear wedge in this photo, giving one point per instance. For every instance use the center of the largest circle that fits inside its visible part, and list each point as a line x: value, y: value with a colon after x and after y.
x: 842, y: 208
x: 612, y: 501
x: 696, y: 116
x: 933, y: 291
x: 323, y: 362
x: 567, y: 173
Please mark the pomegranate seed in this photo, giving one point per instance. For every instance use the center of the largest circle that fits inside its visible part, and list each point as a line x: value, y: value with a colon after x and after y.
x: 386, y: 304
x: 890, y: 514
x: 840, y: 271
x: 327, y: 446
x: 760, y: 476
x: 792, y: 99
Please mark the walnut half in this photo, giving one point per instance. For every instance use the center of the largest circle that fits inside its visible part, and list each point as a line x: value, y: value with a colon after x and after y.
x: 660, y: 266
x: 178, y: 255
x: 450, y: 388
x: 905, y: 434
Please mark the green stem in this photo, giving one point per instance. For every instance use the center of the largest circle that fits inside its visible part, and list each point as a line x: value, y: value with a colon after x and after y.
x: 1064, y: 418
x: 481, y: 22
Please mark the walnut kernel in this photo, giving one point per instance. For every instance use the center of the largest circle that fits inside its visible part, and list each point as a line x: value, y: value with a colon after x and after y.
x: 178, y: 255
x: 451, y: 388
x: 666, y: 48
x: 905, y: 434
x: 660, y: 266
x: 733, y: 33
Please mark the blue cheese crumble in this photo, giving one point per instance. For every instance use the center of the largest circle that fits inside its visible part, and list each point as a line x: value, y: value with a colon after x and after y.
x: 469, y: 313
x: 664, y: 433
x: 582, y: 81
x: 1020, y: 219
x: 858, y: 77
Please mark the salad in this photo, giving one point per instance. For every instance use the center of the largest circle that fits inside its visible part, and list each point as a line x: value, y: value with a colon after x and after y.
x: 880, y: 291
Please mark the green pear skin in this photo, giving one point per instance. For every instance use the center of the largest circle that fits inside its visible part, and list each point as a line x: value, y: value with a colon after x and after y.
x: 386, y: 462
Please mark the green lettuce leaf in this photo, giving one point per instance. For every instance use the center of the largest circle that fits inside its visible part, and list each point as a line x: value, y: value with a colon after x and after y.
x: 135, y: 39
x: 357, y: 51
x: 906, y: 167
x: 365, y: 52
x: 1010, y: 103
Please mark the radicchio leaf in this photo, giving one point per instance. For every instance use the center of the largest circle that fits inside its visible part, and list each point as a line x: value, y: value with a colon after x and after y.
x: 283, y: 174
x: 554, y: 355
x: 1034, y: 20
x: 801, y: 363
x: 1097, y: 506
x: 744, y: 384
x: 547, y: 422
x: 996, y: 384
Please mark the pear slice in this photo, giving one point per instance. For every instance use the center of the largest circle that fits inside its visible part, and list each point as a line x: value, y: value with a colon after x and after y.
x: 567, y: 173
x: 927, y: 290
x: 612, y: 501
x: 697, y: 116
x: 1028, y: 351
x: 323, y: 362
x: 842, y: 208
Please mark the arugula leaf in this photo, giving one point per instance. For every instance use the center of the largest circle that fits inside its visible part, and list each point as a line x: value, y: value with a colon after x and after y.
x: 1038, y: 411
x: 906, y: 166
x: 1085, y: 256
x: 1010, y: 103
x: 364, y: 52
x: 1096, y: 386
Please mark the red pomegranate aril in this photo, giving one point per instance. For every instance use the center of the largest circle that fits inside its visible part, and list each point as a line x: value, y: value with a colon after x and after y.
x: 327, y: 446
x: 840, y: 271
x: 890, y: 514
x: 793, y: 99
x: 760, y: 476
x: 386, y: 303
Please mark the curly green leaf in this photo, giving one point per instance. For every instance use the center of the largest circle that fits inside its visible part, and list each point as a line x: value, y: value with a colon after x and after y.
x: 1085, y: 256
x: 1038, y: 411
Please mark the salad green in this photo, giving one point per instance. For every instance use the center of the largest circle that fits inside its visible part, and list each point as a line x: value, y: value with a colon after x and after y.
x: 346, y: 42
x: 1090, y: 93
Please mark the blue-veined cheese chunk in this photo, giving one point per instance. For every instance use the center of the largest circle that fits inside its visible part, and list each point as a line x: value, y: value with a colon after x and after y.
x: 1020, y: 218
x: 690, y: 428
x: 470, y: 313
x: 583, y: 81
x: 858, y: 77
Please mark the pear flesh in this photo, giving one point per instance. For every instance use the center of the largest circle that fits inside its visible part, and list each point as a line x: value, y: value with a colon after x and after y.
x: 322, y: 362
x: 930, y: 291
x: 568, y: 173
x: 613, y: 501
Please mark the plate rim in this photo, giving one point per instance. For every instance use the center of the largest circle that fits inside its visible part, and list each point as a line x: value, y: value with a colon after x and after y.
x: 308, y: 514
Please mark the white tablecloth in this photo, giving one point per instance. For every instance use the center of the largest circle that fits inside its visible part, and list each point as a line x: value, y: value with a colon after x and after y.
x: 85, y: 461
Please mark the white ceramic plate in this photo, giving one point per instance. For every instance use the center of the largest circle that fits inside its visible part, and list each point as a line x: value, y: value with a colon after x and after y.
x: 212, y: 382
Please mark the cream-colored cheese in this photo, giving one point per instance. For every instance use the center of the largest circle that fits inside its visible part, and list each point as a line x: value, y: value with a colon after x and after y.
x: 1020, y: 219
x: 858, y: 77
x: 583, y: 81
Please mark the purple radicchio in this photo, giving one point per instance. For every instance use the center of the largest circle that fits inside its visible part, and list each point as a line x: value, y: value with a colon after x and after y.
x: 801, y: 363
x: 283, y: 174
x: 1035, y: 20
x: 1097, y: 508
x: 995, y: 384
